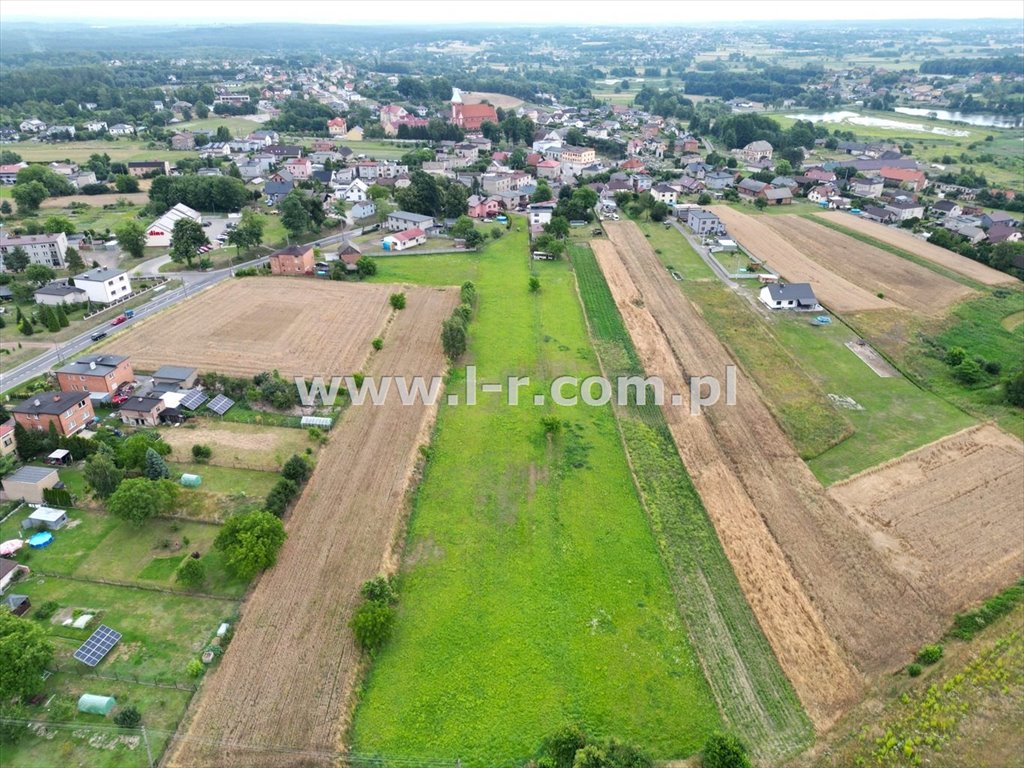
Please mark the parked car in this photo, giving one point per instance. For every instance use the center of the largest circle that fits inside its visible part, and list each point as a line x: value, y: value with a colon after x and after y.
x: 120, y: 399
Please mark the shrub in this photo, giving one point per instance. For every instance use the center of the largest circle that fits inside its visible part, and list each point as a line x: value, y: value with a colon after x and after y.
x: 723, y: 750
x: 955, y: 356
x: 47, y: 609
x: 201, y: 453
x: 1013, y: 389
x: 378, y: 343
x: 993, y: 367
x: 534, y: 284
x: 914, y: 670
x: 372, y: 624
x: 194, y: 668
x: 967, y: 372
x: 316, y: 435
x: 552, y: 425
x: 380, y: 589
x: 467, y: 293
x: 296, y: 469
x: 280, y: 496
x: 129, y: 717
x: 929, y: 654
x: 397, y: 300
x: 191, y: 573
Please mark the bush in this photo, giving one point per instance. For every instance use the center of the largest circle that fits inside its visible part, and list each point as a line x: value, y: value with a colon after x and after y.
x: 129, y: 717
x: 993, y: 367
x: 378, y: 343
x: 534, y: 284
x: 1013, y: 390
x: 380, y: 589
x: 372, y: 624
x: 723, y: 750
x: 191, y: 573
x: 280, y: 496
x: 967, y: 372
x: 47, y: 609
x: 929, y: 654
x: 201, y: 453
x: 914, y: 670
x: 296, y: 469
x: 397, y: 300
x: 955, y: 356
x: 194, y: 668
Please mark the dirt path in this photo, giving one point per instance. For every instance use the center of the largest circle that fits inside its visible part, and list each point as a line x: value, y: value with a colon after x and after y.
x: 835, y: 292
x: 793, y: 626
x: 910, y: 285
x: 282, y: 693
x: 934, y: 253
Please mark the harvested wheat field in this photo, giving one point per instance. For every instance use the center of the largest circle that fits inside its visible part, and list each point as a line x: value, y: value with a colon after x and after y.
x: 948, y: 513
x: 934, y: 253
x: 910, y: 285
x: 300, y: 326
x: 825, y: 594
x: 835, y: 292
x: 282, y: 693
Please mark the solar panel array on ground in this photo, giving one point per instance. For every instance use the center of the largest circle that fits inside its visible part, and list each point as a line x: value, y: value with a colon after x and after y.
x: 220, y: 404
x: 193, y: 399
x: 97, y: 646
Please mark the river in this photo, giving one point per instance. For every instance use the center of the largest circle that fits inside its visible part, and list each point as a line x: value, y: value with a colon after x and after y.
x: 980, y: 119
x: 855, y: 118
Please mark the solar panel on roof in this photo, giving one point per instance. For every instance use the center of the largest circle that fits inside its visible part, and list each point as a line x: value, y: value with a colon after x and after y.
x: 97, y: 646
x: 220, y: 404
x: 193, y: 399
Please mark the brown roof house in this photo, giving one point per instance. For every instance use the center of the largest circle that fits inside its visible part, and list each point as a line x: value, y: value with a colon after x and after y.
x: 96, y: 373
x: 69, y: 412
x: 294, y: 260
x: 142, y: 411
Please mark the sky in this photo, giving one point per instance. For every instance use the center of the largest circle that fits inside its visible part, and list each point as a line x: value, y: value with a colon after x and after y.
x: 547, y: 12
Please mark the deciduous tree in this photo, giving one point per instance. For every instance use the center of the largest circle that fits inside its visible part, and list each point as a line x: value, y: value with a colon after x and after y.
x: 131, y: 236
x: 187, y: 238
x: 25, y: 653
x: 250, y: 542
x: 138, y: 499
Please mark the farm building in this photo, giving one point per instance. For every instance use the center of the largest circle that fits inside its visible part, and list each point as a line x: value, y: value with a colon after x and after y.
x: 405, y: 239
x: 173, y: 377
x: 47, y: 518
x: 28, y: 483
x: 8, y: 570
x: 158, y: 234
x: 798, y: 296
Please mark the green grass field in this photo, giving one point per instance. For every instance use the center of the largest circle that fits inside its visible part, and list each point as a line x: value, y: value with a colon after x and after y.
x: 120, y: 150
x: 240, y: 127
x: 750, y: 687
x: 532, y: 592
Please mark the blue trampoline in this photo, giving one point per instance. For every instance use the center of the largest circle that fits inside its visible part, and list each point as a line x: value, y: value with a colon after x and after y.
x: 40, y: 540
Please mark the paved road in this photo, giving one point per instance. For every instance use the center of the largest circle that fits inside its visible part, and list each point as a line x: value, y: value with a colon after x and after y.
x: 193, y: 283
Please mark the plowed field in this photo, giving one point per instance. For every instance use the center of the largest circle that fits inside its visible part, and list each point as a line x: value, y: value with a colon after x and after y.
x: 934, y: 253
x: 300, y: 326
x: 282, y: 692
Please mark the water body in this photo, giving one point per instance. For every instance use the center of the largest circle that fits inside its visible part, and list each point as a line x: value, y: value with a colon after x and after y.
x: 855, y: 118
x: 981, y: 119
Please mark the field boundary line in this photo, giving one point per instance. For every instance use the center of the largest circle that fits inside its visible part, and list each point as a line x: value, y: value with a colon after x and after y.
x: 130, y: 585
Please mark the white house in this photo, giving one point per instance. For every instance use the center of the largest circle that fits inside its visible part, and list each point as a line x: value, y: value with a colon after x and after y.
x: 404, y: 239
x: 398, y: 221
x: 356, y: 191
x: 59, y: 293
x: 663, y: 193
x: 104, y: 285
x: 32, y: 125
x: 159, y: 232
x: 797, y: 296
x: 540, y: 214
x: 120, y: 129
x: 49, y: 250
x: 364, y: 209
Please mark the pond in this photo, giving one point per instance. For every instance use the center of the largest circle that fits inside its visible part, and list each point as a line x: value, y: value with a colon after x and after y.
x: 980, y: 119
x: 855, y: 118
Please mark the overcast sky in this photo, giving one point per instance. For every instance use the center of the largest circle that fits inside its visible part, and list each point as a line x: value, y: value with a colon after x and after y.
x: 578, y: 12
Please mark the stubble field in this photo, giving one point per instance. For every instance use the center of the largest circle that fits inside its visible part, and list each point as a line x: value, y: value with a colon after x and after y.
x: 300, y: 326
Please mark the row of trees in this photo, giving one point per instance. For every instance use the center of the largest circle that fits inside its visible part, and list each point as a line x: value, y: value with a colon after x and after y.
x: 204, y: 193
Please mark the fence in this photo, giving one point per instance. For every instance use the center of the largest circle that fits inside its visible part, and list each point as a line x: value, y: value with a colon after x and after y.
x: 133, y: 585
x: 121, y: 677
x: 129, y: 297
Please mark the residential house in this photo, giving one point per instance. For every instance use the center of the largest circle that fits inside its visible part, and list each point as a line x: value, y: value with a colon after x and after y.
x: 944, y: 208
x: 905, y: 209
x: 718, y: 180
x: 142, y: 411
x: 59, y: 292
x: 69, y: 412
x: 398, y: 221
x: 751, y: 188
x: 703, y: 222
x: 821, y: 193
x: 9, y: 173
x: 642, y: 182
x: 866, y: 187
x: 170, y: 378
x: 540, y: 214
x: 283, y: 151
x: 991, y: 218
x: 294, y: 260
x: 337, y: 126
x: 32, y: 125
x: 273, y: 191
x: 363, y: 209
x: 48, y: 250
x: 158, y: 234
x: 482, y: 207
x: 881, y: 215
x: 183, y: 141
x: 299, y: 167
x: 7, y: 441
x: 141, y: 168
x: 663, y: 193
x: 756, y: 151
x: 407, y: 238
x: 96, y: 373
x: 904, y: 177
x: 121, y: 129
x: 796, y: 296
x: 549, y: 169
x: 820, y: 174
x: 1004, y: 233
x: 356, y: 191
x: 965, y: 228
x: 354, y: 134
x: 105, y: 285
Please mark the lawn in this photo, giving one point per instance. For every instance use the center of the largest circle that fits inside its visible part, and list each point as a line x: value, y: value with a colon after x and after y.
x: 236, y: 445
x: 532, y: 592
x: 89, y: 739
x: 750, y: 687
x: 240, y: 127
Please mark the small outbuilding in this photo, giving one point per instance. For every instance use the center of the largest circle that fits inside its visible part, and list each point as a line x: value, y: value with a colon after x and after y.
x: 28, y: 483
x: 175, y: 377
x: 60, y: 457
x: 46, y: 518
x: 17, y: 604
x: 96, y: 705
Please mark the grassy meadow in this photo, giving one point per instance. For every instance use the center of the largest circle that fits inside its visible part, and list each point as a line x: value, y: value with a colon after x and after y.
x: 532, y: 592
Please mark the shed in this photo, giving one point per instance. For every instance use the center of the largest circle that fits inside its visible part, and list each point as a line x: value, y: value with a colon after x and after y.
x: 47, y: 518
x: 191, y: 481
x: 27, y: 483
x: 18, y: 604
x: 96, y: 705
x: 61, y: 457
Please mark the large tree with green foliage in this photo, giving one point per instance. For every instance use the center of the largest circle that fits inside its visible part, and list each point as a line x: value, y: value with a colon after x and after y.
x: 102, y: 474
x: 722, y: 750
x: 131, y: 236
x: 249, y: 232
x: 156, y: 467
x: 138, y: 499
x: 25, y: 653
x: 187, y: 238
x: 250, y: 542
x: 29, y: 196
